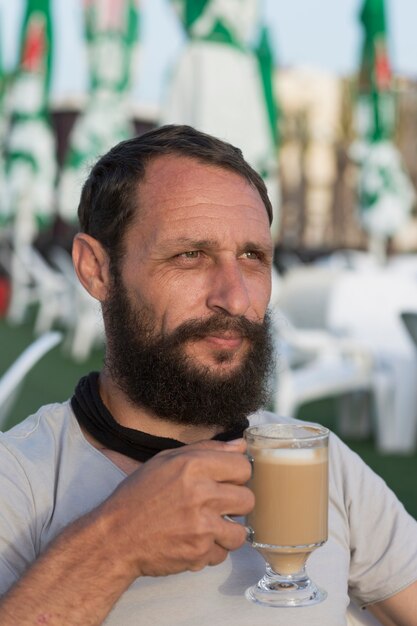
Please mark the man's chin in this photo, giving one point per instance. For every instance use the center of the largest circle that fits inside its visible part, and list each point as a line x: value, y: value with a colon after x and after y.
x: 217, y: 358
x: 221, y: 365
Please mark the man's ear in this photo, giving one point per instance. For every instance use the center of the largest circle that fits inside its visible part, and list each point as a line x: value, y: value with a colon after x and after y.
x: 91, y: 263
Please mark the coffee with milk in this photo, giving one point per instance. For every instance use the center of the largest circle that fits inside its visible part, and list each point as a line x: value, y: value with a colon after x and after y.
x: 291, y: 502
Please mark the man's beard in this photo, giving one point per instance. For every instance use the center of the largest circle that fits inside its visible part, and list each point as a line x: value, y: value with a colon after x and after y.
x: 155, y: 373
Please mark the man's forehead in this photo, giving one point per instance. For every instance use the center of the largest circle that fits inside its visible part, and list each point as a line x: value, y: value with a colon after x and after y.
x: 184, y: 200
x: 181, y: 167
x: 173, y: 177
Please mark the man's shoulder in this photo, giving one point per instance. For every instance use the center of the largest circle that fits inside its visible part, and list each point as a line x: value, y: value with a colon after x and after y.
x: 41, y: 430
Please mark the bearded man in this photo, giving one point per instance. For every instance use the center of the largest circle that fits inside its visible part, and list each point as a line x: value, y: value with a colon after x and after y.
x: 114, y: 503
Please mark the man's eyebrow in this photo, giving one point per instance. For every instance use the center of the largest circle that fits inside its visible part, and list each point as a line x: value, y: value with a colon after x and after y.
x: 190, y: 243
x: 258, y: 246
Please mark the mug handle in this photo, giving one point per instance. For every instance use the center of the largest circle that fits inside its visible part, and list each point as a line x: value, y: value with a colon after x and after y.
x: 249, y: 531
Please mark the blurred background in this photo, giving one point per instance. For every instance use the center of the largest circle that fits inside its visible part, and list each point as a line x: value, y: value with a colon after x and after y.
x: 321, y: 98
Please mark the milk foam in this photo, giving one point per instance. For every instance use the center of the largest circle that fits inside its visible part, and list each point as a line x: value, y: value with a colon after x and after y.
x: 296, y: 456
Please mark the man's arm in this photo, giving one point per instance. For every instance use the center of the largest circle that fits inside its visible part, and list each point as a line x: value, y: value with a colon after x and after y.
x: 399, y: 610
x: 167, y: 517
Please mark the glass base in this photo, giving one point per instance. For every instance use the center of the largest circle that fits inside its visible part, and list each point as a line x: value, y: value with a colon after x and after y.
x: 285, y: 591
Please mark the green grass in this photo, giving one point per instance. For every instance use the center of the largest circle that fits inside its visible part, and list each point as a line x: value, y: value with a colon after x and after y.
x: 53, y: 379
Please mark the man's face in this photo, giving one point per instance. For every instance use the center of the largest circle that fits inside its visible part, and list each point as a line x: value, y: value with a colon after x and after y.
x: 200, y: 246
x: 185, y: 314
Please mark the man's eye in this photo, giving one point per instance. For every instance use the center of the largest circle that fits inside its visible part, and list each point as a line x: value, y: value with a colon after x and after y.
x: 251, y: 254
x: 191, y: 254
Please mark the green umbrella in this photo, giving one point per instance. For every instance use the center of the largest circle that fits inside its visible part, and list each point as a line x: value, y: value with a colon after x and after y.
x: 385, y: 194
x: 30, y: 151
x: 189, y: 11
x: 111, y: 32
x: 36, y: 43
x: 375, y: 78
x: 111, y: 27
x: 267, y: 69
x: 3, y: 215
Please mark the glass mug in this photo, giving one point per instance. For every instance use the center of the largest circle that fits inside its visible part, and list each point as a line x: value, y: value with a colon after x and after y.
x: 290, y: 482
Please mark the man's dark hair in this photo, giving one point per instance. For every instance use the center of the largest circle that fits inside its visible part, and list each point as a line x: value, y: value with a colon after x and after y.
x: 109, y: 198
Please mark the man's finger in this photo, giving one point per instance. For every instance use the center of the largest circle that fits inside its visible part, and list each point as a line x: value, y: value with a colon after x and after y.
x: 222, y: 462
x: 231, y: 535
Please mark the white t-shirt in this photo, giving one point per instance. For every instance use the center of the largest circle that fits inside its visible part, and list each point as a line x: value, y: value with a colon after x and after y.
x: 50, y: 475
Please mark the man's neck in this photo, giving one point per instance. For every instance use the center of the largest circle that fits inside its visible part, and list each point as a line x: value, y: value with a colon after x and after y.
x: 130, y: 416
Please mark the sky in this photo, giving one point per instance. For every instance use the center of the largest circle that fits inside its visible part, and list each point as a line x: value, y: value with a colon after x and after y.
x: 317, y: 33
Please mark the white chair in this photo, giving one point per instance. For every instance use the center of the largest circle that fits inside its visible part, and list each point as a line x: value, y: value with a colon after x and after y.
x: 24, y: 292
x: 304, y: 293
x: 314, y: 365
x: 61, y: 300
x: 13, y: 378
x: 35, y: 281
x: 86, y: 328
x: 409, y: 319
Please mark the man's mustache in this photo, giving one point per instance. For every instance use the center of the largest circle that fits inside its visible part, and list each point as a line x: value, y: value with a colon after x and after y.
x: 200, y: 328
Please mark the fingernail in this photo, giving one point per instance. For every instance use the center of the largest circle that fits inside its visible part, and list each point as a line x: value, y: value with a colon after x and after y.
x: 234, y: 442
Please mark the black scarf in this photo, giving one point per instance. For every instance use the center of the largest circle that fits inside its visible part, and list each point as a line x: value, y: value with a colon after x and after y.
x: 92, y: 414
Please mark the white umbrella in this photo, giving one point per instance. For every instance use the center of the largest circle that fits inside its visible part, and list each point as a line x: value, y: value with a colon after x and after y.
x: 216, y: 86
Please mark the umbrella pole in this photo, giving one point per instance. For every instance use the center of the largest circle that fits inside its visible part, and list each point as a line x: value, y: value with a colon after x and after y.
x: 378, y: 248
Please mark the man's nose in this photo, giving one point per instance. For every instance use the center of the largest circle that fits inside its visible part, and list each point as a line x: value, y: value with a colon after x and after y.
x: 228, y: 290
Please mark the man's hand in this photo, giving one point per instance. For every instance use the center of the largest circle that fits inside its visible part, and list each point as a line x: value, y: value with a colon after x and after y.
x: 165, y: 518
